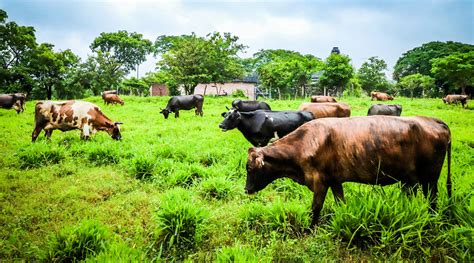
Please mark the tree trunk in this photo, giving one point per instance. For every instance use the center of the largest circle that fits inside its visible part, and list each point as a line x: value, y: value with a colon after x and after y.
x: 279, y: 93
x: 463, y: 90
x: 49, y: 91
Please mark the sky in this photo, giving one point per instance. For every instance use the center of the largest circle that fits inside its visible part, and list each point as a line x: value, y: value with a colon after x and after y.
x: 361, y: 29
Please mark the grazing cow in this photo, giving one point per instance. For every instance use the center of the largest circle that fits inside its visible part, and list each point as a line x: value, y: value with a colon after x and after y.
x: 380, y: 96
x: 384, y: 109
x: 456, y: 99
x: 188, y: 102
x: 375, y: 150
x: 324, y: 110
x: 111, y: 98
x: 250, y: 105
x: 70, y: 115
x: 13, y: 101
x: 323, y: 99
x: 260, y: 126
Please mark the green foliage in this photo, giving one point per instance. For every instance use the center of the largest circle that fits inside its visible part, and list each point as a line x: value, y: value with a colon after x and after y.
x: 190, y: 60
x: 134, y: 86
x: 371, y: 75
x: 337, y: 73
x: 40, y: 154
x: 118, y: 252
x: 217, y: 188
x: 79, y: 242
x: 457, y: 68
x: 417, y: 85
x: 103, y: 155
x: 238, y: 94
x: 179, y: 221
x: 237, y: 253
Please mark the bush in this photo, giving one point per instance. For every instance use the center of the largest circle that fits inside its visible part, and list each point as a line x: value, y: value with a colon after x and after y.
x: 238, y: 93
x: 40, y: 154
x: 77, y: 243
x: 142, y: 168
x: 179, y: 221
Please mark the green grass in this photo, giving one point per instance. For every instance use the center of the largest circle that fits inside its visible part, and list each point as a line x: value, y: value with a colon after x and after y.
x: 173, y: 190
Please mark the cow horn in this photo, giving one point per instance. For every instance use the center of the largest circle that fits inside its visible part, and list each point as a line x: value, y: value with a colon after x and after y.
x: 227, y: 108
x: 117, y: 123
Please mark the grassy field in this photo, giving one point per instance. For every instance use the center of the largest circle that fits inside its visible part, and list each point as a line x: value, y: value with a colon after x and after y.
x: 173, y: 190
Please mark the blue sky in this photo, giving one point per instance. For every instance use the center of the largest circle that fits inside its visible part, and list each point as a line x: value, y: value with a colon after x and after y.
x: 360, y: 29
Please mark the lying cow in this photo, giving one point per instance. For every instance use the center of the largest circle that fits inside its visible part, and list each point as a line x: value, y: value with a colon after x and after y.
x: 456, y: 99
x: 250, y: 105
x: 324, y: 110
x: 323, y: 99
x: 384, y: 109
x: 13, y: 101
x: 260, y: 126
x: 112, y: 99
x: 380, y: 96
x: 70, y: 115
x: 188, y: 102
x: 375, y: 150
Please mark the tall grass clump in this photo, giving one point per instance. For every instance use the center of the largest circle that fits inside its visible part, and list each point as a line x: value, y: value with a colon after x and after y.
x: 392, y: 223
x: 118, y: 252
x: 216, y: 188
x: 100, y: 155
x: 142, y: 167
x: 78, y: 242
x: 40, y: 154
x: 237, y: 253
x: 287, y: 218
x: 180, y: 222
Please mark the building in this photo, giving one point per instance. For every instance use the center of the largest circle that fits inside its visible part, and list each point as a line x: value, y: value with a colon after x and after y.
x: 247, y: 85
x: 157, y: 89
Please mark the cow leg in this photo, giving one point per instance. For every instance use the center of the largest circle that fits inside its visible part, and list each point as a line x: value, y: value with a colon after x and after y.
x: 338, y: 192
x: 320, y: 192
x: 176, y: 114
x: 48, y: 133
x: 430, y: 190
x: 36, y: 132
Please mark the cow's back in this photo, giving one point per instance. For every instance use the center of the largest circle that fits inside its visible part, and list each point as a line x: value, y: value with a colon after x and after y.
x: 325, y: 110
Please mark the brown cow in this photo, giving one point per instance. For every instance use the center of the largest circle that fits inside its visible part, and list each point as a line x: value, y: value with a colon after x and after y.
x: 456, y: 99
x: 324, y: 110
x: 13, y: 101
x: 70, y: 115
x: 323, y: 99
x: 380, y: 96
x: 112, y: 99
x: 375, y: 150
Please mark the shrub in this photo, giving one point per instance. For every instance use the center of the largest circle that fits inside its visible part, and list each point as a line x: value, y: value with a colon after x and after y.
x: 216, y: 188
x: 40, y: 154
x: 238, y: 93
x: 77, y: 243
x: 179, y: 221
x: 142, y: 167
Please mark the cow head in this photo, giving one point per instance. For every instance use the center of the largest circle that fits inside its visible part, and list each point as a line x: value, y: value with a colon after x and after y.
x: 18, y: 106
x: 258, y: 172
x: 165, y: 112
x: 114, y: 131
x: 231, y: 120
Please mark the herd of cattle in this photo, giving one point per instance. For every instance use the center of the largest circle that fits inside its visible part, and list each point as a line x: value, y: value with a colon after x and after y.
x: 317, y: 145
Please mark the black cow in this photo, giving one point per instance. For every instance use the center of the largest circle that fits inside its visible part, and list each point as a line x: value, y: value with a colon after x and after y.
x: 384, y: 109
x: 188, y: 102
x: 250, y: 105
x: 13, y: 101
x: 260, y: 126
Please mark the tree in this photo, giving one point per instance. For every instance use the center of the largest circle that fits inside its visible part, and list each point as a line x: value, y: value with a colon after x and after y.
x: 457, y: 68
x: 191, y: 60
x: 371, y: 75
x: 134, y: 85
x: 337, y: 72
x: 120, y: 52
x: 417, y: 85
x: 162, y: 77
x: 17, y: 44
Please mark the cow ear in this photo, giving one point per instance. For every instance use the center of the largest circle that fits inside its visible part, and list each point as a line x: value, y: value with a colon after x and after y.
x: 256, y: 157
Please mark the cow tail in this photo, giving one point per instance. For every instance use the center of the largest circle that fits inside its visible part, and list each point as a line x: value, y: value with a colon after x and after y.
x: 448, y: 181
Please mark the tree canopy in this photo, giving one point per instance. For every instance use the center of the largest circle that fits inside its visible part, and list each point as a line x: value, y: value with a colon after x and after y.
x: 417, y: 85
x: 458, y: 69
x: 337, y: 72
x: 371, y: 75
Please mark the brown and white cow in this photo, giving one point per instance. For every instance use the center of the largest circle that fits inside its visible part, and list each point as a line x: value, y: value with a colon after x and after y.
x: 70, y: 115
x: 375, y: 150
x: 324, y: 110
x: 112, y: 99
x: 456, y: 99
x: 323, y: 99
x: 380, y: 96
